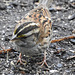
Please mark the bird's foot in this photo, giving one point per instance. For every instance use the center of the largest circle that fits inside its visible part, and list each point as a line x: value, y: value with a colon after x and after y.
x: 20, y: 60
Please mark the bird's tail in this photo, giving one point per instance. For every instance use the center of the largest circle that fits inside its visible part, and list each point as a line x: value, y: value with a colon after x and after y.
x: 45, y: 2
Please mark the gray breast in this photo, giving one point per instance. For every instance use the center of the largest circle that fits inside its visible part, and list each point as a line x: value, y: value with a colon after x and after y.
x: 28, y: 46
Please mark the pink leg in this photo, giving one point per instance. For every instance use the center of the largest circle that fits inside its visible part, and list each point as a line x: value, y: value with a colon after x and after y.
x: 19, y: 60
x: 44, y: 60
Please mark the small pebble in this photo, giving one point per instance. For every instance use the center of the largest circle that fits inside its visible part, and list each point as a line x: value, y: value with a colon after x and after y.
x: 71, y: 17
x: 4, y: 26
x: 3, y: 32
x: 72, y: 51
x: 71, y: 0
x: 67, y: 71
x: 2, y: 39
x: 59, y: 65
x: 12, y: 63
x: 53, y: 71
x: 72, y: 40
x: 9, y: 7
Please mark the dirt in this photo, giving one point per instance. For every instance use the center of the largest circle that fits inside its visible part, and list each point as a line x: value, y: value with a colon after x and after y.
x: 59, y: 54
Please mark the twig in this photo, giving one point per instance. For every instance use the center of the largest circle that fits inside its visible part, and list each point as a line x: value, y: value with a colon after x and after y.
x: 5, y: 50
x: 61, y: 39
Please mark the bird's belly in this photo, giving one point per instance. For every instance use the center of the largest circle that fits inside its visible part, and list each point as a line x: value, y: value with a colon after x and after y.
x: 29, y: 50
x: 28, y: 47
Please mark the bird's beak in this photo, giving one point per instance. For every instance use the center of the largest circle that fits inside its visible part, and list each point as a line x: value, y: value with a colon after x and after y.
x: 14, y: 37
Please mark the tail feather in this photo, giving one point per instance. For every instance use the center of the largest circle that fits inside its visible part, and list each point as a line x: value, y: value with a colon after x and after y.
x: 45, y: 2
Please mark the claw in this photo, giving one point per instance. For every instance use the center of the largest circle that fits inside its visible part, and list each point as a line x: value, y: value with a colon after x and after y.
x: 44, y: 61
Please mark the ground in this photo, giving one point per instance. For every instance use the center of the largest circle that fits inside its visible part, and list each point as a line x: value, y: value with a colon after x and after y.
x: 63, y: 23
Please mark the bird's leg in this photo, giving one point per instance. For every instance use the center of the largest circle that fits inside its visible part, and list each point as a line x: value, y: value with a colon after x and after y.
x: 20, y: 59
x: 44, y: 60
x: 23, y: 62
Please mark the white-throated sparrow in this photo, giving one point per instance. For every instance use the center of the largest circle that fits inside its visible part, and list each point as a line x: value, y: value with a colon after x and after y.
x: 32, y: 35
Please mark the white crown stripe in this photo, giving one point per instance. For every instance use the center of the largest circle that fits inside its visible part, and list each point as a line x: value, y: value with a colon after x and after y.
x: 31, y: 24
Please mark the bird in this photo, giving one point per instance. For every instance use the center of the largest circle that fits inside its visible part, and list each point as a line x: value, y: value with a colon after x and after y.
x: 32, y: 35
